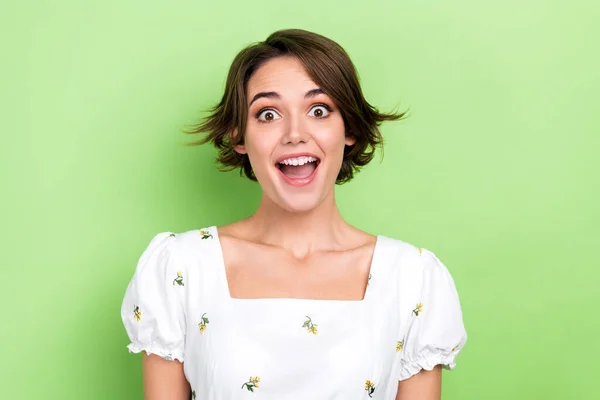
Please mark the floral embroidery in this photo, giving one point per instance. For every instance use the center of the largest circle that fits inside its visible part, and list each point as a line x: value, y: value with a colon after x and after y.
x: 455, y: 347
x: 137, y: 314
x: 399, y: 345
x: 254, y: 382
x: 418, y: 309
x: 202, y: 324
x: 168, y: 357
x: 205, y: 234
x: 310, y: 327
x: 420, y: 251
x: 179, y: 279
x: 193, y: 394
x: 369, y: 280
x: 370, y: 387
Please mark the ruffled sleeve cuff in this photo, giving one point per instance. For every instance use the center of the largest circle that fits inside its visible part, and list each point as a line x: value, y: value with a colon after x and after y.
x: 173, y: 353
x: 410, y: 367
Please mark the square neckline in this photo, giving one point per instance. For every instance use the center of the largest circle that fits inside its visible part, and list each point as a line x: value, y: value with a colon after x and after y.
x: 222, y: 271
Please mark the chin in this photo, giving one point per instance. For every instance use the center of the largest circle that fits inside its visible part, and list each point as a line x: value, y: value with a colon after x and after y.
x: 297, y: 200
x: 299, y: 204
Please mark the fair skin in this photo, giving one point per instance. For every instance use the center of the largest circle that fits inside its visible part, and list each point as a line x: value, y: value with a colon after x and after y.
x: 305, y: 248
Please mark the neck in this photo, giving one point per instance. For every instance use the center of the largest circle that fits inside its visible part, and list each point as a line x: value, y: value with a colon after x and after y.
x: 321, y: 228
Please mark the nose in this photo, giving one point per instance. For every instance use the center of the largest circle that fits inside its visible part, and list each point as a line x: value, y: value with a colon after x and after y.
x: 295, y: 131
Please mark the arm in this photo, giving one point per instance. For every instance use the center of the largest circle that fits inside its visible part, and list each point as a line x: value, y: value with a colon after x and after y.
x: 164, y: 380
x: 153, y: 314
x: 425, y: 385
x: 434, y: 332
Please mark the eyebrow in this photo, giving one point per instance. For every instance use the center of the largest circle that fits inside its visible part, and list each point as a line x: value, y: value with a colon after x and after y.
x: 275, y: 95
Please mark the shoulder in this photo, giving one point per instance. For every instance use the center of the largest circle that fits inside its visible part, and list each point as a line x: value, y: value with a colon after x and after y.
x: 414, y: 268
x: 185, y: 241
x: 421, y: 277
x: 404, y: 254
x: 410, y: 256
x: 177, y: 245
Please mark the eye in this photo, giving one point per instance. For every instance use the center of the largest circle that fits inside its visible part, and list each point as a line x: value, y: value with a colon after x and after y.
x: 268, y: 115
x: 320, y: 111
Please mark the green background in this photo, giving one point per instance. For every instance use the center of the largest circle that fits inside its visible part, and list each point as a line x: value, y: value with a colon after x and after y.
x: 496, y: 171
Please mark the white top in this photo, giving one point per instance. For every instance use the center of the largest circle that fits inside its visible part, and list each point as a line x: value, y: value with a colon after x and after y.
x: 178, y: 306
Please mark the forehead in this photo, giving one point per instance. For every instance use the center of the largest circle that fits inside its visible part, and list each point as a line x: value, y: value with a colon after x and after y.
x: 281, y: 74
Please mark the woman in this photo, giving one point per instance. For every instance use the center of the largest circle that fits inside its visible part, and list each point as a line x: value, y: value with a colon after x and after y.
x: 292, y: 302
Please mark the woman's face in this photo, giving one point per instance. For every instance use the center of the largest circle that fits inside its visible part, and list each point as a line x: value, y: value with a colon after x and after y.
x: 295, y: 135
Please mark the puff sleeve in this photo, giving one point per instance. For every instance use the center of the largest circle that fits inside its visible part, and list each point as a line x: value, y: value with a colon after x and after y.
x: 152, y: 309
x: 434, y: 333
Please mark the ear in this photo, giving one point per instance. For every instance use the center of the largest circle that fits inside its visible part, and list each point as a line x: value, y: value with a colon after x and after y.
x: 350, y: 140
x: 240, y: 148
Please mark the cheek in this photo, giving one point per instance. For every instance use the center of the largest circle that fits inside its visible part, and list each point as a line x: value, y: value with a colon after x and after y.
x: 259, y: 152
x: 333, y: 141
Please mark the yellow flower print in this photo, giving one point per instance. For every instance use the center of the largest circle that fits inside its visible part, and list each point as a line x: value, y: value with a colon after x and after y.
x: 370, y: 387
x: 205, y: 234
x: 418, y: 309
x: 310, y: 327
x: 137, y: 314
x: 254, y: 382
x: 203, y: 322
x: 399, y: 345
x: 179, y: 279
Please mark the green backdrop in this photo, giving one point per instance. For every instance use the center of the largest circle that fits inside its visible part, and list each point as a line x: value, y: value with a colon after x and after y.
x: 496, y: 171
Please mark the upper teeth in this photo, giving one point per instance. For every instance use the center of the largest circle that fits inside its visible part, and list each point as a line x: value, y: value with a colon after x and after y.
x: 297, y: 160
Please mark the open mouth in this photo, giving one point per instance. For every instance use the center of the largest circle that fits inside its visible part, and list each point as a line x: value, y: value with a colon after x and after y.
x: 298, y: 167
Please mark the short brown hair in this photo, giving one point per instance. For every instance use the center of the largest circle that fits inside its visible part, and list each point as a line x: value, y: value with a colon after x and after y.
x: 329, y: 66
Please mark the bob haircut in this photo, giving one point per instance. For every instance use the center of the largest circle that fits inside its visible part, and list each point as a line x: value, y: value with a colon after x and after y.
x: 329, y: 66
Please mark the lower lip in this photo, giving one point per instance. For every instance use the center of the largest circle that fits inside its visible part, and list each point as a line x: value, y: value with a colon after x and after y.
x: 297, y: 182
